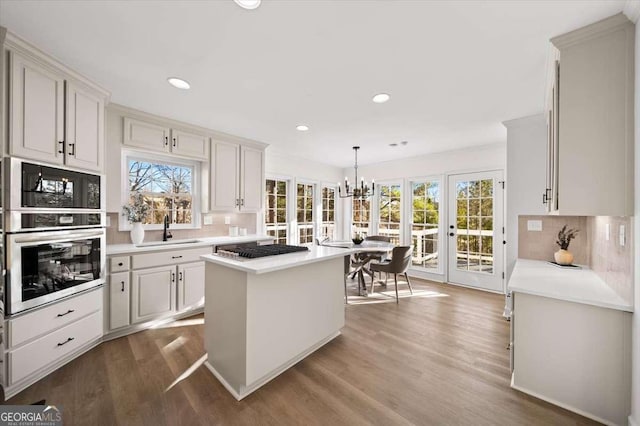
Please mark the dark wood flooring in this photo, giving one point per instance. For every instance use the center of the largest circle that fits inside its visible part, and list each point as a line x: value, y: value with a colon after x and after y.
x: 438, y: 358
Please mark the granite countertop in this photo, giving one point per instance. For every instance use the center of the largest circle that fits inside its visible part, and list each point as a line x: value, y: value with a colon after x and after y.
x: 115, y: 249
x: 267, y: 264
x: 540, y: 278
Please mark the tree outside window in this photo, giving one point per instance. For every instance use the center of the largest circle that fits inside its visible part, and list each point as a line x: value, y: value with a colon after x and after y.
x: 361, y: 209
x: 425, y: 226
x: 276, y: 210
x: 389, y: 209
x: 167, y: 189
x: 304, y: 209
x: 328, y: 228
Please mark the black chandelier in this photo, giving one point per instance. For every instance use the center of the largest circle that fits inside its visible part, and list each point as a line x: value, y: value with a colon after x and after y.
x: 363, y: 191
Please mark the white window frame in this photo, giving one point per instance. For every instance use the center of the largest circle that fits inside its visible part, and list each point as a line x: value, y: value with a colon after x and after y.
x: 290, y: 184
x: 196, y: 200
x: 314, y: 212
x: 375, y: 214
x: 435, y: 274
x: 336, y: 210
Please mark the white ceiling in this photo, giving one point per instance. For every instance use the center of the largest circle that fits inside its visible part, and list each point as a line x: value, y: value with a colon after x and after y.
x: 455, y: 69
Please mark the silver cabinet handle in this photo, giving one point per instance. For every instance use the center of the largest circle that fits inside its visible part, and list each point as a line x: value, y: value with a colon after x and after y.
x: 66, y: 313
x: 66, y: 341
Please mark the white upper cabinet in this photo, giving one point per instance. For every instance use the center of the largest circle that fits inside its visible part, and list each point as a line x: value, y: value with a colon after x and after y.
x: 225, y: 177
x: 591, y: 121
x: 163, y: 139
x: 56, y: 115
x: 189, y: 144
x: 85, y: 129
x: 251, y: 179
x: 36, y: 109
x: 237, y: 177
x: 146, y: 135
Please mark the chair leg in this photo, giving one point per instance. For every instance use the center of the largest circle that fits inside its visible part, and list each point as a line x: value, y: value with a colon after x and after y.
x: 395, y: 278
x: 346, y: 297
x: 373, y: 281
x: 354, y: 275
x: 408, y: 282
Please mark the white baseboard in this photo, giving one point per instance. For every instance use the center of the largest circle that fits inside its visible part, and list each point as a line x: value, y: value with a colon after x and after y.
x: 238, y: 394
x: 632, y: 422
x: 561, y: 404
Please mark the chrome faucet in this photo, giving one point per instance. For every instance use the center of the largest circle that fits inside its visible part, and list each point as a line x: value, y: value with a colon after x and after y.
x: 165, y: 233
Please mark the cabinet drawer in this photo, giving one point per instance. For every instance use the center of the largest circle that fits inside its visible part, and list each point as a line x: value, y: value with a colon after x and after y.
x: 44, y: 320
x: 150, y: 260
x: 54, y: 346
x: 119, y: 263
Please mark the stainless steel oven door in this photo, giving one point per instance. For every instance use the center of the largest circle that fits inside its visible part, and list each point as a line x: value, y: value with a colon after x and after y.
x: 46, y: 266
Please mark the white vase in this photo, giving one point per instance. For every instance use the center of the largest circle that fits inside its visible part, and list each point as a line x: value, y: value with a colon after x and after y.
x: 137, y: 233
x: 563, y: 257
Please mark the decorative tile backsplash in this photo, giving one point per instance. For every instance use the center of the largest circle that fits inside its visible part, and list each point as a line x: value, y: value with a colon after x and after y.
x: 609, y: 259
x: 242, y: 220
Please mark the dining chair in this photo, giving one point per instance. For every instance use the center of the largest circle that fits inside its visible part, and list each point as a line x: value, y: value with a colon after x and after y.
x: 379, y: 257
x: 398, y: 264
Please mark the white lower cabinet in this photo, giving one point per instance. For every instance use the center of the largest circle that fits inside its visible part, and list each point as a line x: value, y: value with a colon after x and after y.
x: 53, y: 346
x: 119, y: 300
x: 190, y: 285
x: 153, y: 293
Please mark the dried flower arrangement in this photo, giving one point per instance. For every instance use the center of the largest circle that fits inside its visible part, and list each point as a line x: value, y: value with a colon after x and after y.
x: 565, y: 236
x: 137, y: 210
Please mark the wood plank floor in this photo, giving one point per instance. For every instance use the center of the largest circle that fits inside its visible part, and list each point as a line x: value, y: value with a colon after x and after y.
x: 439, y: 358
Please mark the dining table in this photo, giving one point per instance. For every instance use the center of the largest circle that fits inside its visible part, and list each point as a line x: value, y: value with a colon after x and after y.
x: 364, y: 253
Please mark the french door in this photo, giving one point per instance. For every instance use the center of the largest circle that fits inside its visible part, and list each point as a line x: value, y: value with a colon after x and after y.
x: 475, y: 230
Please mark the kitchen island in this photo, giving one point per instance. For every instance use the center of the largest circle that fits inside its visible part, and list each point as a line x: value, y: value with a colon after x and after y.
x: 264, y: 315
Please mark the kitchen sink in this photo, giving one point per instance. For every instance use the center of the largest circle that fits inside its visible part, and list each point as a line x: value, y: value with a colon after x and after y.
x: 167, y: 243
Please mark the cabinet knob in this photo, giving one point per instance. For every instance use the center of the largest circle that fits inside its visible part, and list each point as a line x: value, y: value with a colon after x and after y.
x: 120, y: 264
x: 451, y: 234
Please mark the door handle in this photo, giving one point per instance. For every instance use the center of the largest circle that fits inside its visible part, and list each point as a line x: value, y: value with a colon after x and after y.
x: 122, y: 282
x: 72, y: 145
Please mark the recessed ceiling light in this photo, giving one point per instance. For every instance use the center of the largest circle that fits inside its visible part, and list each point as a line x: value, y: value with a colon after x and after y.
x: 393, y: 144
x: 179, y: 83
x: 404, y: 142
x: 302, y: 128
x: 381, y: 98
x: 248, y: 4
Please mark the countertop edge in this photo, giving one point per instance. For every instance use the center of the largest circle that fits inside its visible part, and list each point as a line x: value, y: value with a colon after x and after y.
x: 130, y: 249
x: 624, y: 308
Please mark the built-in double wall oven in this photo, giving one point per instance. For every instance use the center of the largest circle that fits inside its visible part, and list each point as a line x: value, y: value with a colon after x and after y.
x: 54, y: 232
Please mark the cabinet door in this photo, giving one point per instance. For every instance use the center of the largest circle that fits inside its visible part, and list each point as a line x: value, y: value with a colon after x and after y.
x: 85, y: 129
x: 119, y: 298
x: 189, y: 144
x: 190, y: 285
x: 153, y: 293
x: 36, y: 111
x: 146, y: 135
x: 251, y: 179
x: 224, y: 176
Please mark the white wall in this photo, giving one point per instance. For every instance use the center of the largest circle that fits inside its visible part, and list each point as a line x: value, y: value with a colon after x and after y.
x: 525, y: 175
x: 487, y: 157
x: 279, y: 164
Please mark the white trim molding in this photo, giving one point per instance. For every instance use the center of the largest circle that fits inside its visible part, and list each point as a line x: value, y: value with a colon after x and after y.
x: 632, y: 10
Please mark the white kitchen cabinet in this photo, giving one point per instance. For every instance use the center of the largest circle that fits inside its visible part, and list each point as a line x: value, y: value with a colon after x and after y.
x: 151, y: 136
x: 190, y: 285
x: 591, y: 116
x: 153, y: 293
x: 237, y: 177
x: 160, y: 138
x: 36, y: 110
x: 119, y: 300
x: 189, y: 144
x: 56, y: 115
x: 85, y: 128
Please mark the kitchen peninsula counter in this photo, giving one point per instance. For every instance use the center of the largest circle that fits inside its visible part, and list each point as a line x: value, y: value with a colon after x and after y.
x: 264, y: 315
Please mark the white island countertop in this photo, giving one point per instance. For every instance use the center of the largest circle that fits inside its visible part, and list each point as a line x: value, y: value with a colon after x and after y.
x: 267, y: 264
x: 540, y: 278
x: 150, y: 246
